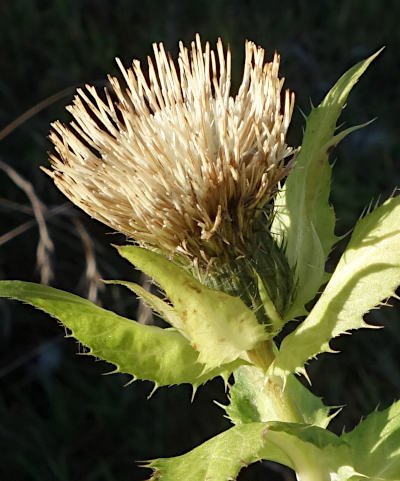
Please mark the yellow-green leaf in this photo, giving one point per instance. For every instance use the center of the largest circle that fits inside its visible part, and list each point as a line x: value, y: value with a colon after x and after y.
x: 314, y: 453
x: 367, y: 273
x: 304, y: 220
x: 375, y: 445
x: 146, y: 352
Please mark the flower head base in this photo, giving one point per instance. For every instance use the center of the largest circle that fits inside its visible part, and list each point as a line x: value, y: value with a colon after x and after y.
x: 174, y: 161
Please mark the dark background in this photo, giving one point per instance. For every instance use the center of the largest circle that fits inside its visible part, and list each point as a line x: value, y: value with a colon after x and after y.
x: 59, y: 418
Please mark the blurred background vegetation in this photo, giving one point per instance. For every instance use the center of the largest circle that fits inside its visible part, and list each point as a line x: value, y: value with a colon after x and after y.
x: 59, y: 418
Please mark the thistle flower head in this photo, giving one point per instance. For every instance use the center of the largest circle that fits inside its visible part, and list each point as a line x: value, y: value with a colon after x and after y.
x: 173, y: 160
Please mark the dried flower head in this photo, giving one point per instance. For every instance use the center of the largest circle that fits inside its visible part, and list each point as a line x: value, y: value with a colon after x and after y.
x: 174, y: 161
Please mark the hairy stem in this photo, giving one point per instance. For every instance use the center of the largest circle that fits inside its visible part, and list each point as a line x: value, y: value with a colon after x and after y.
x: 284, y: 405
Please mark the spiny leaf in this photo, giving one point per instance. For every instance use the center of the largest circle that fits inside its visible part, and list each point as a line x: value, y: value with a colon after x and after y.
x: 314, y: 453
x: 304, y: 219
x: 375, y: 445
x: 146, y: 352
x: 250, y: 402
x: 221, y: 327
x: 367, y: 273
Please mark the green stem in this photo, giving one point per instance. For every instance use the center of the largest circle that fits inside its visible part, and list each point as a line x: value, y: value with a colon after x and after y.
x: 284, y: 405
x: 263, y: 355
x: 307, y: 467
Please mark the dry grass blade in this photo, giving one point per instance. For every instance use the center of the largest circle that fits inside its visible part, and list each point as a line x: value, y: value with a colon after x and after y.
x: 34, y: 110
x: 10, y: 205
x: 45, y: 245
x: 28, y: 356
x: 144, y: 312
x: 16, y: 232
x: 8, y: 236
x: 92, y: 274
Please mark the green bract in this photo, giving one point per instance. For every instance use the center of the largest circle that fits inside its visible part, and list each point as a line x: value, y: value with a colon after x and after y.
x: 220, y: 327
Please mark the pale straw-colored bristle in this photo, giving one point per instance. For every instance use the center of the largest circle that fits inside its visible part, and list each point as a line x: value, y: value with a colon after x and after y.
x: 173, y: 160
